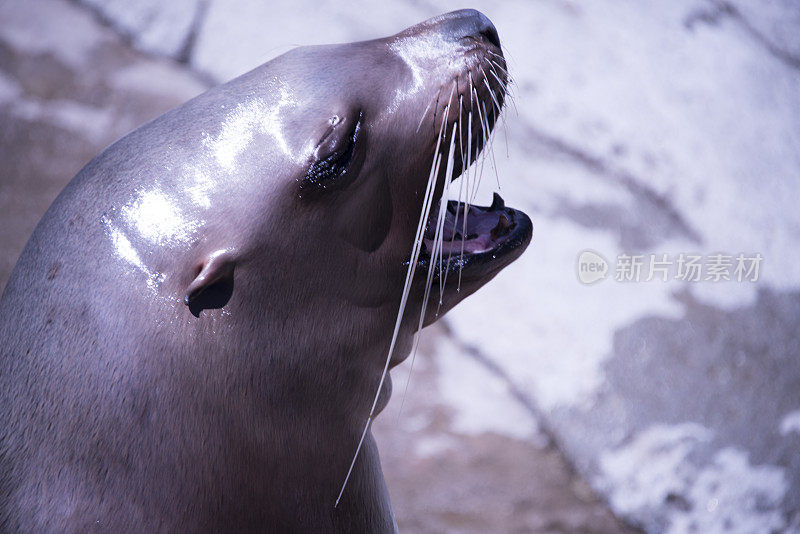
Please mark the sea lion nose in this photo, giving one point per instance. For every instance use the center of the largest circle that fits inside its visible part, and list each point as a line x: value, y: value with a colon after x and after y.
x: 470, y: 23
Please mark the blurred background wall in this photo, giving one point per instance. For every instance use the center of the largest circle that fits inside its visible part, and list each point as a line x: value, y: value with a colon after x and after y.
x: 544, y: 404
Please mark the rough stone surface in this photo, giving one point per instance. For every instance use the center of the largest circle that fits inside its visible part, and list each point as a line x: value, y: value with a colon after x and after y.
x: 448, y: 474
x: 68, y: 88
x: 155, y: 26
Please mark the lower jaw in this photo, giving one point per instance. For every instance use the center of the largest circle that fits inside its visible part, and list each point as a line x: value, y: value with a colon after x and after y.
x: 467, y: 257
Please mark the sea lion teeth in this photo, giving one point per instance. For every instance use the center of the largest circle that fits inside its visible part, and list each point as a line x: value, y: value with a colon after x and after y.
x: 497, y: 202
x: 502, y: 227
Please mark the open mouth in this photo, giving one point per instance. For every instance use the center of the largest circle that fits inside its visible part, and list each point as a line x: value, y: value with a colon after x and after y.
x: 474, y: 236
x: 475, y: 241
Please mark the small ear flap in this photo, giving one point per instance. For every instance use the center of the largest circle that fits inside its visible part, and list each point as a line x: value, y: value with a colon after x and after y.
x: 213, y: 285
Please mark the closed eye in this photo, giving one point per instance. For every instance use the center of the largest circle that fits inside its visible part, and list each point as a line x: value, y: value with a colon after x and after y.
x: 328, y: 172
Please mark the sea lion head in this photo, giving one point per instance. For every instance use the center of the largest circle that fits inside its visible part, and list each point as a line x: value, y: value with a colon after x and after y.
x: 352, y: 146
x: 296, y: 212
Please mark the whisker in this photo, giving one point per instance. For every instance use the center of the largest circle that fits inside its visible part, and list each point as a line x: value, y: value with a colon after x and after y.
x: 466, y: 199
x: 412, y: 266
x: 468, y: 188
x: 503, y: 84
x: 502, y: 116
x: 464, y: 165
x: 484, y: 136
x: 495, y: 54
x: 503, y: 56
x: 500, y: 109
x: 499, y: 66
x: 438, y: 236
x: 508, y: 93
x: 461, y: 134
x: 491, y: 146
x: 505, y: 133
x: 471, y: 89
x: 442, y: 217
x: 426, y: 110
x: 491, y: 91
x: 429, y: 280
x: 437, y: 251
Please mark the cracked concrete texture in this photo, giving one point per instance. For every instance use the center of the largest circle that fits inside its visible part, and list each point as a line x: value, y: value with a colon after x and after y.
x: 163, y: 28
x: 773, y: 23
x: 446, y: 474
x: 730, y: 372
x: 68, y: 88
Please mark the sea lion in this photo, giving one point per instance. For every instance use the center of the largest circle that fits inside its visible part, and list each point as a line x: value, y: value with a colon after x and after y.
x: 193, y: 336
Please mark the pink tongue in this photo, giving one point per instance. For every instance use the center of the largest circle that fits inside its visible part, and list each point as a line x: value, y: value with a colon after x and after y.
x: 484, y: 230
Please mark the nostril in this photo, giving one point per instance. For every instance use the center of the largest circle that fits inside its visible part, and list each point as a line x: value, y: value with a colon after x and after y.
x: 490, y: 34
x: 467, y: 24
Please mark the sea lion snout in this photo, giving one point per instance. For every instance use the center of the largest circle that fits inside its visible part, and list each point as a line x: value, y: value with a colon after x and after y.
x: 470, y: 23
x: 458, y: 25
